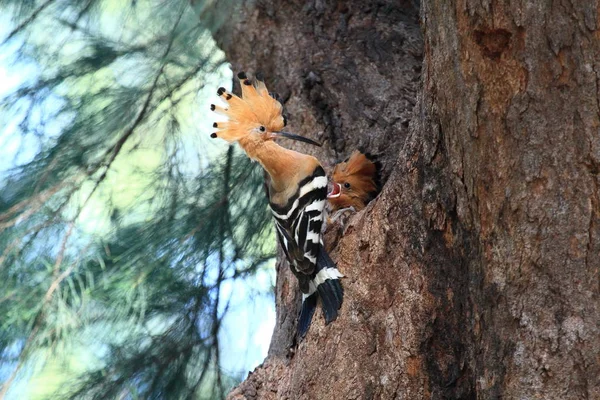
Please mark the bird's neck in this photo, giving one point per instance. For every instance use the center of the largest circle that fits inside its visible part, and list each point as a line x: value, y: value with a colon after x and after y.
x: 280, y: 163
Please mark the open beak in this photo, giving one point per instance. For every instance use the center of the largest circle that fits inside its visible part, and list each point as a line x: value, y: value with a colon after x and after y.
x: 293, y: 136
x: 336, y: 191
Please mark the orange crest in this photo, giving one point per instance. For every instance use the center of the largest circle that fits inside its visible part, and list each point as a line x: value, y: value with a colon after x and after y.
x: 255, y: 112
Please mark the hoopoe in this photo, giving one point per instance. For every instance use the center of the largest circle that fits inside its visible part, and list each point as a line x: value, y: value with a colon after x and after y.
x: 297, y: 191
x: 354, y: 182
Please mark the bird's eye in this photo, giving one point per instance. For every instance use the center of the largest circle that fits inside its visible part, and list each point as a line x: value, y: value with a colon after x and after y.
x: 347, y: 185
x: 262, y: 129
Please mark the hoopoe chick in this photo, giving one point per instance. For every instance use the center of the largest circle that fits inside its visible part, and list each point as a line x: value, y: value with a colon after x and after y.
x: 297, y: 191
x: 354, y: 183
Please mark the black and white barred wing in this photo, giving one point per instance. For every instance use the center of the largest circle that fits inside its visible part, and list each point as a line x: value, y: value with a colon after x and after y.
x: 307, y: 227
x: 299, y: 229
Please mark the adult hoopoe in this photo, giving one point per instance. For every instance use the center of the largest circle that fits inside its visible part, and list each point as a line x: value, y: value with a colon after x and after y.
x: 355, y: 183
x: 297, y: 191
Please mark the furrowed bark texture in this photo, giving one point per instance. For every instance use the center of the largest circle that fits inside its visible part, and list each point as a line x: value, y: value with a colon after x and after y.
x: 474, y: 274
x: 523, y: 151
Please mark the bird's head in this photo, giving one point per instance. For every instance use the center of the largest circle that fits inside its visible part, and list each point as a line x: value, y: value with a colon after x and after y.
x: 254, y: 118
x: 354, y: 182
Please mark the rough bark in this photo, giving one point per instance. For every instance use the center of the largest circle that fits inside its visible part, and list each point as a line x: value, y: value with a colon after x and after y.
x: 474, y: 274
x: 523, y: 149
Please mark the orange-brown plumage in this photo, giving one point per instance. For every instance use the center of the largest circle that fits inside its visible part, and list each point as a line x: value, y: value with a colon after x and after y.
x: 252, y: 121
x: 354, y: 182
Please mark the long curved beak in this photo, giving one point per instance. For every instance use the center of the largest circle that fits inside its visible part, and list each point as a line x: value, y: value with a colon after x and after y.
x: 293, y: 136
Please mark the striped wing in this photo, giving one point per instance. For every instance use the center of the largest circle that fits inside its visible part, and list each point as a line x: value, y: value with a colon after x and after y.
x: 299, y: 223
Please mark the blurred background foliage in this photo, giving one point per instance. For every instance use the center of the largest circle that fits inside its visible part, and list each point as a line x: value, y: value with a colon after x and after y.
x: 133, y: 250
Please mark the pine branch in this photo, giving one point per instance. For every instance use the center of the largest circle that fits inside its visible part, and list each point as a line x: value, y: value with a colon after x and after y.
x: 220, y: 276
x: 39, y: 319
x: 34, y: 203
x: 28, y: 21
x: 147, y: 273
x: 114, y: 151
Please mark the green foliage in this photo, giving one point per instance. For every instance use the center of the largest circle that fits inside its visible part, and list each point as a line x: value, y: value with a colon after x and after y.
x: 120, y: 225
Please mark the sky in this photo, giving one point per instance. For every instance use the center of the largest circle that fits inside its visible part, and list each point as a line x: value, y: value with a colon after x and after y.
x: 10, y: 78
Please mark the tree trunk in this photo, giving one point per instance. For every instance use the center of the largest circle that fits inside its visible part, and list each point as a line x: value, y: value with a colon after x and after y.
x: 475, y: 273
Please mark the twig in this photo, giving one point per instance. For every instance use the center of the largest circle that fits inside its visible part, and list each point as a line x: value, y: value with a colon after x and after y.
x: 36, y: 203
x: 29, y: 20
x: 141, y: 115
x: 40, y: 316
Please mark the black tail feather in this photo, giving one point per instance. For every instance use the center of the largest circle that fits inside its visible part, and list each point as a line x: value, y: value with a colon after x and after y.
x: 309, y: 306
x: 334, y: 286
x: 338, y: 291
x: 329, y: 300
x: 329, y: 290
